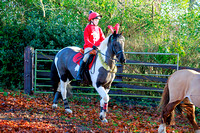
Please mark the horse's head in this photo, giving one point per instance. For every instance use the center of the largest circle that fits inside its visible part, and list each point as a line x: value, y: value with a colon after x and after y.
x: 117, y: 45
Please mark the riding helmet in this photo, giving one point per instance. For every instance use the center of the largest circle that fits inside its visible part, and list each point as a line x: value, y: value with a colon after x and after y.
x: 94, y: 15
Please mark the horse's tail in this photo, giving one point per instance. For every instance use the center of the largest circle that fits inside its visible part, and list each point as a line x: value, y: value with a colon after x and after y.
x: 55, y: 80
x: 164, y: 101
x: 69, y: 90
x: 54, y: 77
x: 165, y: 97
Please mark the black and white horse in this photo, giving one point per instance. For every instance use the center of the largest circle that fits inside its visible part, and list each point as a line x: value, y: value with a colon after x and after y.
x: 102, y: 72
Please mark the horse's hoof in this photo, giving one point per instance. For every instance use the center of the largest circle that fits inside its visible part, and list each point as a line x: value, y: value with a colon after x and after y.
x: 68, y: 111
x: 104, y: 120
x: 162, y: 128
x: 54, y: 106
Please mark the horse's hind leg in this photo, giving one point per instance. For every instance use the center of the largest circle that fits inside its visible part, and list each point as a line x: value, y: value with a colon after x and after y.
x: 56, y: 96
x: 103, y: 103
x: 167, y: 115
x: 63, y: 86
x: 190, y: 111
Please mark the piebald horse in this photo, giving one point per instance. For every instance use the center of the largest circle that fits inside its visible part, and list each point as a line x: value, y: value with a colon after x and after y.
x: 182, y: 90
x: 102, y: 73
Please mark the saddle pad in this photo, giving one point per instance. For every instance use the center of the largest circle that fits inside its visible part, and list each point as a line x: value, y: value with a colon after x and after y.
x: 78, y: 57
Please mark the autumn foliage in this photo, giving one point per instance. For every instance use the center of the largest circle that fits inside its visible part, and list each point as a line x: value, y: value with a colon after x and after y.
x: 23, y: 113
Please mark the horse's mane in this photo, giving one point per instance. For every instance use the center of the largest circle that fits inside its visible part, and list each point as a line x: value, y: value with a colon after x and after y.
x: 104, y: 42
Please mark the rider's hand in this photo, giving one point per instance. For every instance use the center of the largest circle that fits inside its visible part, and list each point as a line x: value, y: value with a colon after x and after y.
x: 94, y: 47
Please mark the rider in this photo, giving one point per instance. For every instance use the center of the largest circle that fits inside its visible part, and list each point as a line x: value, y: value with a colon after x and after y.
x: 93, y: 36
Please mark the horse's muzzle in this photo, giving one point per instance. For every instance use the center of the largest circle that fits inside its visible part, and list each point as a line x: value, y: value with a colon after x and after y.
x: 122, y: 58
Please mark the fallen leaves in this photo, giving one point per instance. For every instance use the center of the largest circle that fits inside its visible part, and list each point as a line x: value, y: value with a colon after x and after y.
x: 22, y: 125
x: 22, y: 113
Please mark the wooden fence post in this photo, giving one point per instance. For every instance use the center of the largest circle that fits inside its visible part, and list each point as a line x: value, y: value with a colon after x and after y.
x: 28, y: 69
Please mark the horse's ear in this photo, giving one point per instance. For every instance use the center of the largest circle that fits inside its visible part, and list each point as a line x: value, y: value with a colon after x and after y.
x: 114, y: 33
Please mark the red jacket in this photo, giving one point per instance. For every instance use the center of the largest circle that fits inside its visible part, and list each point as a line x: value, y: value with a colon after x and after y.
x: 93, y: 35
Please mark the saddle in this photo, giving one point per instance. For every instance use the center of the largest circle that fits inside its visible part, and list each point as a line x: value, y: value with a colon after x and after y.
x: 79, y: 56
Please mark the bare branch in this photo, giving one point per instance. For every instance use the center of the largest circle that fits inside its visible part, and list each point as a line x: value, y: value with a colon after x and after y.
x: 42, y: 8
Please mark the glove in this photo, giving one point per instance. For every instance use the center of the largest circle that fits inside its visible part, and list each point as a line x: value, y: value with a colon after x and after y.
x: 94, y: 47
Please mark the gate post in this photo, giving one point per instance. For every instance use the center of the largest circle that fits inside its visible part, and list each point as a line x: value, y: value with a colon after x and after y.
x: 119, y: 70
x: 28, y: 69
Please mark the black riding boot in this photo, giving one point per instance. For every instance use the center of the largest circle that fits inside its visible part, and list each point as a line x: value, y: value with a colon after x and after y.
x: 79, y: 76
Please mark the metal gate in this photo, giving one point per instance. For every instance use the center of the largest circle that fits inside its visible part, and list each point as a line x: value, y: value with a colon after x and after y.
x: 138, y: 77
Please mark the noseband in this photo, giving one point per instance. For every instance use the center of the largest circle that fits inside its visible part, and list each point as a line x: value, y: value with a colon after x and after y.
x: 116, y: 53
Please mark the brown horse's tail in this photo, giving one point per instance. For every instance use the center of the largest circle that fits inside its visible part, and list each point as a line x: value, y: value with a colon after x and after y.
x: 164, y: 101
x: 165, y: 97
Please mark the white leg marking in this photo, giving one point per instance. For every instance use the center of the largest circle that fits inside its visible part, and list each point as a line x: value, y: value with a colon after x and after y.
x: 103, y: 114
x: 102, y: 92
x: 68, y: 111
x: 104, y: 120
x: 68, y: 81
x: 162, y: 128
x: 107, y: 90
x: 105, y: 98
x: 101, y: 102
x: 63, y: 86
x: 64, y: 92
x: 54, y: 105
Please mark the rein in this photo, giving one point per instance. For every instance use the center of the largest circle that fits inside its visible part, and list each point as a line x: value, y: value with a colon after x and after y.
x: 114, y: 70
x: 106, y: 55
x: 105, y: 66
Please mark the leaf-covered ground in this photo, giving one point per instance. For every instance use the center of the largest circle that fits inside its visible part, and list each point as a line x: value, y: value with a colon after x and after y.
x: 23, y: 113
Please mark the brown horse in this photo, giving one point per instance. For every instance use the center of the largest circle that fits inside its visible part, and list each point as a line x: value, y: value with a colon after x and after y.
x: 182, y: 90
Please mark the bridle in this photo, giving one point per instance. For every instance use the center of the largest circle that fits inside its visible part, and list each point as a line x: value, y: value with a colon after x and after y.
x: 116, y: 53
x: 113, y: 70
x: 113, y: 48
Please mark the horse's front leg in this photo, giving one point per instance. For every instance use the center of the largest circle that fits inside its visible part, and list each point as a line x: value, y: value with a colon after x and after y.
x: 107, y: 90
x: 63, y: 86
x: 103, y: 103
